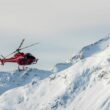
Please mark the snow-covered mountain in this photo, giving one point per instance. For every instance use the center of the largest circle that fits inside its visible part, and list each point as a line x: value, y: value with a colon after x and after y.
x: 82, y: 84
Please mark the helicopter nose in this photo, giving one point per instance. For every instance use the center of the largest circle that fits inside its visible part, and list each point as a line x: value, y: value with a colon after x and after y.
x: 36, y: 60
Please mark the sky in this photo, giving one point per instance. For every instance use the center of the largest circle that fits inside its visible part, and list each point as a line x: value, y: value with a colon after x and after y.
x: 62, y: 27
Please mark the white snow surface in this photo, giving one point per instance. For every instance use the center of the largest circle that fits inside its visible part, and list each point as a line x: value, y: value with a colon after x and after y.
x: 82, y: 85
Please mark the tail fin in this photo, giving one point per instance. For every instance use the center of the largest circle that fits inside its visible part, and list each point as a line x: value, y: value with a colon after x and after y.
x: 2, y: 60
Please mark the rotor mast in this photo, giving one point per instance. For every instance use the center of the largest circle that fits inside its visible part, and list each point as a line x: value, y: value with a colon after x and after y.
x: 19, y: 48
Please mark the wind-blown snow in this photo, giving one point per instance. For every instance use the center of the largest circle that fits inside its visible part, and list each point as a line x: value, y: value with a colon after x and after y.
x: 83, y: 85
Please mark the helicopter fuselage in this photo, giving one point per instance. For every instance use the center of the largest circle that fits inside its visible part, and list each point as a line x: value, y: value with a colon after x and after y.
x: 21, y: 59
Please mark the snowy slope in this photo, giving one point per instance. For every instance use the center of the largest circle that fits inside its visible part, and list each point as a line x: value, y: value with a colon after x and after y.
x: 92, y: 49
x: 61, y: 66
x: 85, y: 85
x: 16, y: 79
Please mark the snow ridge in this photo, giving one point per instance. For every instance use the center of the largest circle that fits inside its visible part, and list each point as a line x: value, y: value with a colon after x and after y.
x: 92, y: 49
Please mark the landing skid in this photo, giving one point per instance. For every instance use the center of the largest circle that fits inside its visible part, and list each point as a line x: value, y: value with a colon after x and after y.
x: 23, y: 68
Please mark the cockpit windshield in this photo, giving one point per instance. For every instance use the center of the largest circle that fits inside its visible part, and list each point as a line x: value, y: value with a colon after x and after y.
x: 28, y: 54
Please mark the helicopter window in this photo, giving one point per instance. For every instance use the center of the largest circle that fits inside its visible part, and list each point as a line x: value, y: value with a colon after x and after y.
x: 28, y: 54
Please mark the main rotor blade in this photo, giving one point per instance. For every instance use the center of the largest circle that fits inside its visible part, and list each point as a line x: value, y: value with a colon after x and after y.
x: 11, y: 53
x: 2, y: 56
x: 17, y: 50
x: 29, y: 46
x: 21, y: 44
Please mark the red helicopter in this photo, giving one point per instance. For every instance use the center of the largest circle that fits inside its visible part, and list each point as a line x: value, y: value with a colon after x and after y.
x: 22, y: 59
